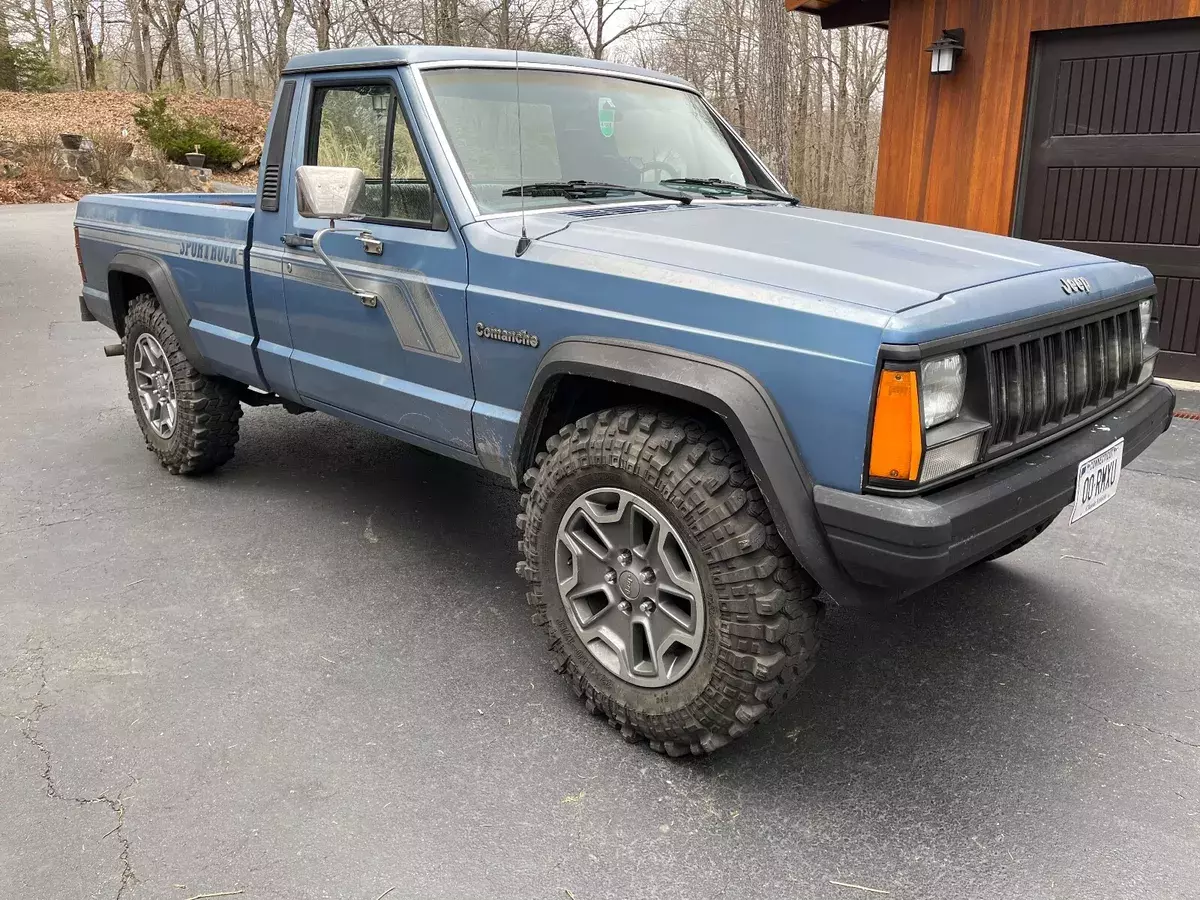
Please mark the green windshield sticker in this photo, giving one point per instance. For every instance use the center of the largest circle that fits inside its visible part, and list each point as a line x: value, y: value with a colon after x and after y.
x: 608, y: 116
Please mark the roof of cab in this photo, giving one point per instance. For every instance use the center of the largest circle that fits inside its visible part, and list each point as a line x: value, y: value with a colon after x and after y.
x: 383, y: 57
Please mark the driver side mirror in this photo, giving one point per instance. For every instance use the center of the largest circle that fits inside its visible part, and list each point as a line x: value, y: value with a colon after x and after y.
x: 329, y: 192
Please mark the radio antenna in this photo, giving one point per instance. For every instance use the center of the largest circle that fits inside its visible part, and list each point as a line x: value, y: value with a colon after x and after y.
x: 523, y: 242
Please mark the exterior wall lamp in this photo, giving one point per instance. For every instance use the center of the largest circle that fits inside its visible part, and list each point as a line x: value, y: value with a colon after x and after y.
x: 945, y: 51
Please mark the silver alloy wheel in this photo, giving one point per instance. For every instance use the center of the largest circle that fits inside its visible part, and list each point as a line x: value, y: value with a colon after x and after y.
x: 629, y: 587
x: 155, y: 385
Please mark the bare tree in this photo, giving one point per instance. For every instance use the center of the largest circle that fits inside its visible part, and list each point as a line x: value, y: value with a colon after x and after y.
x: 594, y: 19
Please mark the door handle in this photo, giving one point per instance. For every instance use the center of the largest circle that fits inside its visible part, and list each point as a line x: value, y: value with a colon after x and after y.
x: 371, y: 244
x: 297, y: 240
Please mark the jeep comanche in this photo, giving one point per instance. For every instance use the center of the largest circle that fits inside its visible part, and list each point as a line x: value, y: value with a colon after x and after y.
x: 723, y: 410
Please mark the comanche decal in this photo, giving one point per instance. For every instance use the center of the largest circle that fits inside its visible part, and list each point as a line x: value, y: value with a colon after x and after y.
x: 524, y: 338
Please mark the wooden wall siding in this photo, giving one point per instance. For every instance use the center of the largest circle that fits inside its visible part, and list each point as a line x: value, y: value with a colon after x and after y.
x: 950, y: 146
x: 1179, y: 302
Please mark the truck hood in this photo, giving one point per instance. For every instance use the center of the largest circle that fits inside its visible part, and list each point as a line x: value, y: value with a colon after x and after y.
x: 888, y: 265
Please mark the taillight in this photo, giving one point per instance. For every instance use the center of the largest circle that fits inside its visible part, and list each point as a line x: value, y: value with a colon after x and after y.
x: 79, y: 257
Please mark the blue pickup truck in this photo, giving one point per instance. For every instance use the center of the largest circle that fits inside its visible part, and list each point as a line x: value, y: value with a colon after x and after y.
x: 722, y: 410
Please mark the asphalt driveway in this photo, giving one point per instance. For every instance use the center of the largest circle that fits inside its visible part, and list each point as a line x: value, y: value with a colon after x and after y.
x: 313, y: 675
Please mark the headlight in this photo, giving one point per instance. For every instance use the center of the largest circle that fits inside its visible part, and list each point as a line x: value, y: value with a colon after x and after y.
x: 943, y: 382
x: 919, y: 433
x: 1145, y: 312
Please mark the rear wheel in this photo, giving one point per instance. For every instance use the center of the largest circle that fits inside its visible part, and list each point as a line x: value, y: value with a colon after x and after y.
x: 189, y: 420
x: 668, y: 599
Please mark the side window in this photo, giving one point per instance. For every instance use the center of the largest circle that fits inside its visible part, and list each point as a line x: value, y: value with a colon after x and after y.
x: 363, y: 126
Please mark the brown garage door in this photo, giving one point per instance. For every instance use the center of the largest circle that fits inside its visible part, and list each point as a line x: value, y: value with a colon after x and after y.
x: 1112, y: 164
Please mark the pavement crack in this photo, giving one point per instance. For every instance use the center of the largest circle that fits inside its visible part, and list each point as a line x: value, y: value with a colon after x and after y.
x: 30, y: 723
x: 1174, y: 475
x: 37, y: 525
x: 1150, y: 728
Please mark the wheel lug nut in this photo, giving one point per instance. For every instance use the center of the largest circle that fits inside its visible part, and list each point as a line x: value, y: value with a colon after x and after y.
x: 625, y: 606
x: 624, y: 557
x: 610, y: 577
x: 647, y: 606
x: 647, y: 576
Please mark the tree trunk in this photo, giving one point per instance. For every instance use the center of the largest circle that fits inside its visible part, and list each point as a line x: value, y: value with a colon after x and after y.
x: 52, y: 32
x: 140, y: 81
x: 87, y: 46
x: 322, y: 26
x: 246, y: 48
x: 504, y: 32
x: 774, y: 126
x: 170, y: 47
x: 446, y: 23
x: 177, y: 59
x: 598, y: 44
x: 843, y: 103
x: 286, y: 13
x: 144, y: 37
x: 76, y: 67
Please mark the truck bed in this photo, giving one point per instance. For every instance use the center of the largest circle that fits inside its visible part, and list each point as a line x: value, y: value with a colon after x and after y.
x: 202, y: 239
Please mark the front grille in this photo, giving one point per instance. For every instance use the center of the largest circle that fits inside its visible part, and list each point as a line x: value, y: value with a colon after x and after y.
x: 1043, y: 382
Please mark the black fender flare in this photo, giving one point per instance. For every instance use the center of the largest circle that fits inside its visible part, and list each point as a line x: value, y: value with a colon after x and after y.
x: 740, y: 401
x: 156, y: 272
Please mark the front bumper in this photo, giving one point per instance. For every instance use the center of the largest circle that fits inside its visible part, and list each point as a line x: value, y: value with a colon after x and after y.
x: 910, y: 542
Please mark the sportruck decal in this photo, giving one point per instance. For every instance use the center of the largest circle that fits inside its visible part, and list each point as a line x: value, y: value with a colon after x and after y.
x: 217, y: 253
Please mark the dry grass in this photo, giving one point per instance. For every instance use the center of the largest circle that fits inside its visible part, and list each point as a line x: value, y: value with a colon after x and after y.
x: 37, y: 149
x: 112, y: 150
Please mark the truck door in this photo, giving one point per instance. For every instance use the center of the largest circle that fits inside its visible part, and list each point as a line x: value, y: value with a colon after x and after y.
x: 403, y: 363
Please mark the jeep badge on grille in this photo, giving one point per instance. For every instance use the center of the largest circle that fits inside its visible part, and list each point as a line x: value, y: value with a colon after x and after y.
x: 1075, y: 285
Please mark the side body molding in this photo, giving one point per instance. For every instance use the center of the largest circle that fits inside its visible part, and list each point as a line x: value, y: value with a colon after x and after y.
x: 741, y: 403
x: 156, y: 272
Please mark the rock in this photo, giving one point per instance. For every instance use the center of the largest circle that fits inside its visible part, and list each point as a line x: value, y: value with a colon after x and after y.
x: 178, y: 178
x: 129, y: 182
x: 253, y: 155
x: 71, y: 164
x: 143, y: 169
x: 71, y: 141
x: 9, y: 149
x: 9, y: 168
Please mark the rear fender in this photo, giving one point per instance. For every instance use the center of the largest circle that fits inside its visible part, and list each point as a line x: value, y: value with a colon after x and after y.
x: 157, y: 274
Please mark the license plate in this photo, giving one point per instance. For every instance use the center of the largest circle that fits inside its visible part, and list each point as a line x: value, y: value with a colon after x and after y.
x: 1096, y: 482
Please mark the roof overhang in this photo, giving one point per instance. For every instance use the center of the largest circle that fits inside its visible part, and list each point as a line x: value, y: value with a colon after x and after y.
x: 842, y: 13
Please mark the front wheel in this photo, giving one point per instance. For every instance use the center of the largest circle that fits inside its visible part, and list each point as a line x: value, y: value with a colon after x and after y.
x: 668, y: 599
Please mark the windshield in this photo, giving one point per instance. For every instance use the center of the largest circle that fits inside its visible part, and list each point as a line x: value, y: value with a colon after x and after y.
x: 575, y: 127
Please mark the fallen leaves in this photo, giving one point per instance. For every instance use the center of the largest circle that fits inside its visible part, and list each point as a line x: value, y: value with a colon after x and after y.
x: 39, y: 118
x: 23, y: 115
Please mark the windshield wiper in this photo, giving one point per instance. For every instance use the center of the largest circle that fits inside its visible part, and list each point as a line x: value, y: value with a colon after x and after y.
x: 575, y: 189
x: 733, y: 186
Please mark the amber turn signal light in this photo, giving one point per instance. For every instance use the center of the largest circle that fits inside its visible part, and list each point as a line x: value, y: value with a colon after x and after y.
x: 896, y: 433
